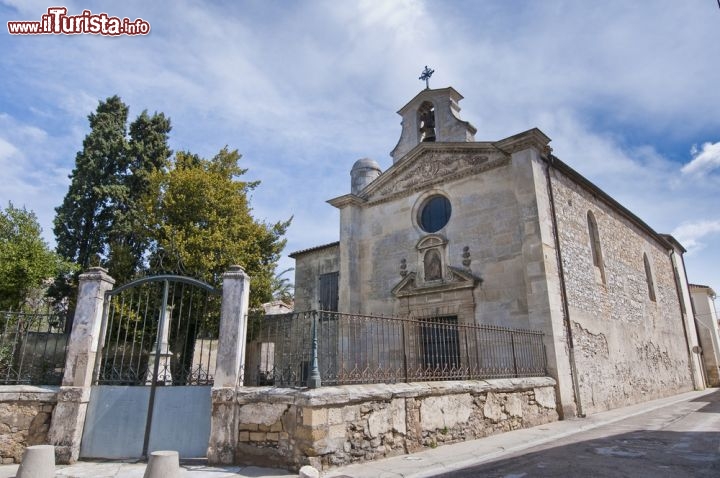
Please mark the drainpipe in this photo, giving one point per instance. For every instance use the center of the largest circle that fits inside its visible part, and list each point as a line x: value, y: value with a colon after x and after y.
x: 563, y: 290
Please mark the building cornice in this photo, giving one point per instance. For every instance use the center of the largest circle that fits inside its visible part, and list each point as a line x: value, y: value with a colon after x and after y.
x: 429, y: 93
x: 293, y: 255
x: 346, y: 200
x: 532, y: 138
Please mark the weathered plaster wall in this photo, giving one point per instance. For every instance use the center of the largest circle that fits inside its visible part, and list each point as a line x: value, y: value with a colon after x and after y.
x: 628, y: 348
x: 707, y: 327
x: 333, y: 426
x: 308, y: 267
x: 25, y: 413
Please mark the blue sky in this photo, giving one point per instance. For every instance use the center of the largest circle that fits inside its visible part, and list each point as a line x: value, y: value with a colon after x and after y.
x: 629, y: 92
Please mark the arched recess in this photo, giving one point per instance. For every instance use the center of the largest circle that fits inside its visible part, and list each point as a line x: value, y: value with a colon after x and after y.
x: 649, y: 277
x: 433, y: 265
x: 595, y: 247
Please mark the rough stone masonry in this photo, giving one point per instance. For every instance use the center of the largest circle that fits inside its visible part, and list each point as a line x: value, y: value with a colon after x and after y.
x: 334, y: 426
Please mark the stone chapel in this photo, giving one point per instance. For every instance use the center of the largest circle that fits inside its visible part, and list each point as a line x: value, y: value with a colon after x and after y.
x: 504, y: 233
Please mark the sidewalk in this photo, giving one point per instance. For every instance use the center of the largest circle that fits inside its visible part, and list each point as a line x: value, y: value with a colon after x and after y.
x: 133, y: 469
x: 426, y: 463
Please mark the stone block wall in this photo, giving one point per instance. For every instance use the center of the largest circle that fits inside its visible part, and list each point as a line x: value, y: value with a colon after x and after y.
x: 334, y: 426
x: 629, y: 348
x: 25, y: 413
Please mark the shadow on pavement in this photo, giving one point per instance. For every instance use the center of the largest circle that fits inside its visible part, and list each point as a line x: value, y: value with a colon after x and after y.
x: 713, y: 406
x: 638, y: 454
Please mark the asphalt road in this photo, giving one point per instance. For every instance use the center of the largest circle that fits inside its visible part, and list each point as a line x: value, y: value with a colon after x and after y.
x: 681, y: 440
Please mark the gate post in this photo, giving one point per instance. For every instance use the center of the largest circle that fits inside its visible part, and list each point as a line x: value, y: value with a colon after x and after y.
x: 68, y: 417
x: 230, y: 366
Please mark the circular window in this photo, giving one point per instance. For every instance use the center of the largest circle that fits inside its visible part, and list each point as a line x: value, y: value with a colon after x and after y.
x: 434, y: 214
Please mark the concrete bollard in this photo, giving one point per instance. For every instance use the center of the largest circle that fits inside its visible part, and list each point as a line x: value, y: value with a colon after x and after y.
x: 163, y: 464
x: 38, y: 461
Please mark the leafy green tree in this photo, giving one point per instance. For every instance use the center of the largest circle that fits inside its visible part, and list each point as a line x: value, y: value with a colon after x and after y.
x: 25, y: 259
x: 282, y: 288
x: 200, y: 223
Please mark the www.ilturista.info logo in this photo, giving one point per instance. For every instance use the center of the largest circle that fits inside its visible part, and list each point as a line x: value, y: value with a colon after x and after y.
x: 58, y: 22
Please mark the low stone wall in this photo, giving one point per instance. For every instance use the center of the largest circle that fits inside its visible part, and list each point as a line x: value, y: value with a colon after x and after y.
x: 334, y: 426
x: 25, y: 413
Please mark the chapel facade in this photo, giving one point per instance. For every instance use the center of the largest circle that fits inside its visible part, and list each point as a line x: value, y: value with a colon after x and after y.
x: 505, y: 233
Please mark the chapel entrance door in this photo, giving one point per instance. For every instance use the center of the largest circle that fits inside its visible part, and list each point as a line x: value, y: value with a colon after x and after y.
x: 440, y: 345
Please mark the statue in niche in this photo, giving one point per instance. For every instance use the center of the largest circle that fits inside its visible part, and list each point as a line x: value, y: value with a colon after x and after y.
x: 433, y: 265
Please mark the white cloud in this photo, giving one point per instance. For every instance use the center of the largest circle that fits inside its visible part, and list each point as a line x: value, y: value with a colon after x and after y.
x: 32, y: 172
x: 304, y: 89
x: 7, y: 151
x: 704, y: 160
x: 690, y: 234
x: 34, y: 8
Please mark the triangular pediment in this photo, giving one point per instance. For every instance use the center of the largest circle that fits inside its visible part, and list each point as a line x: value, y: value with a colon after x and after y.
x: 405, y: 285
x: 456, y: 279
x: 429, y: 164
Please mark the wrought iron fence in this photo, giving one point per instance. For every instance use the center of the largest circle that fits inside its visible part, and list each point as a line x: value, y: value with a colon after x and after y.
x: 161, y: 330
x: 33, y: 346
x: 369, y: 349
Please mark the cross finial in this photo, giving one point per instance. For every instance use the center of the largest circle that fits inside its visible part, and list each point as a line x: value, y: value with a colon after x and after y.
x: 427, y: 73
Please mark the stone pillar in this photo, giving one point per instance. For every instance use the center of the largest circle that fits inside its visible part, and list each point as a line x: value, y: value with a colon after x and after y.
x: 233, y: 329
x: 349, y: 283
x: 230, y: 366
x: 68, y: 417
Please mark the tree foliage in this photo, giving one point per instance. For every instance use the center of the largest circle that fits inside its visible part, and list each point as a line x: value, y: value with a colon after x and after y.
x: 147, y: 152
x: 200, y: 223
x: 25, y: 259
x: 282, y: 288
x: 86, y: 216
x: 98, y: 222
x: 134, y: 210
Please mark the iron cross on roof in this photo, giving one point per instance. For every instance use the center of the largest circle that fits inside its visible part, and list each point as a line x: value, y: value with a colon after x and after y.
x: 427, y: 73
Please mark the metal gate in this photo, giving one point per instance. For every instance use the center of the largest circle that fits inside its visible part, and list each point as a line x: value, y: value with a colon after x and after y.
x: 153, y: 370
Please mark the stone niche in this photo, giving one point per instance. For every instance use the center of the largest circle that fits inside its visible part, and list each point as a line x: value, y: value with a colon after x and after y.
x: 335, y: 426
x: 436, y: 288
x: 25, y: 413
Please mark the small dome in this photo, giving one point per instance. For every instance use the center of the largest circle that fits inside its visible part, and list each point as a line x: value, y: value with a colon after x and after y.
x: 363, y: 172
x: 366, y: 163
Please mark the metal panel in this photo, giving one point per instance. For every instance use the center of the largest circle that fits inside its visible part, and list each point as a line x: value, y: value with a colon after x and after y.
x: 115, y: 422
x: 181, y: 420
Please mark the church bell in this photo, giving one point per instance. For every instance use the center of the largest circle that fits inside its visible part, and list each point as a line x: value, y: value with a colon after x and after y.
x: 427, y: 133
